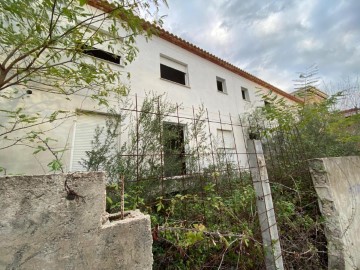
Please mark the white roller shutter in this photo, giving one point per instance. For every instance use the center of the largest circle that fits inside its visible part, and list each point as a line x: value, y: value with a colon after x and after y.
x: 84, y: 134
x: 173, y: 64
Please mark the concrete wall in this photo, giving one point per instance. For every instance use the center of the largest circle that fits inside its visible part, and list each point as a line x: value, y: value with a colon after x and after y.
x: 42, y: 227
x: 337, y: 183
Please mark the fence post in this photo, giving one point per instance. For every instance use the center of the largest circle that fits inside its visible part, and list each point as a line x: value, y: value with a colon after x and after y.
x: 265, y: 207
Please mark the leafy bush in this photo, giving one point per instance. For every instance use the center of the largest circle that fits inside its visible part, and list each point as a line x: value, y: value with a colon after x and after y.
x: 209, y: 228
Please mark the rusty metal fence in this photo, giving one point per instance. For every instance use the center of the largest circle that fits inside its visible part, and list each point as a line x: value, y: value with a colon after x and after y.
x: 191, y: 170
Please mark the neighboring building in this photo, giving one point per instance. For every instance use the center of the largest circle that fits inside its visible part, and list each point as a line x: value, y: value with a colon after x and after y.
x: 310, y: 95
x: 166, y: 64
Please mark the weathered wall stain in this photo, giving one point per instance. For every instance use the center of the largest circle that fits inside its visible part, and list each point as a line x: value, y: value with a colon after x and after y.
x: 42, y: 228
x: 337, y: 183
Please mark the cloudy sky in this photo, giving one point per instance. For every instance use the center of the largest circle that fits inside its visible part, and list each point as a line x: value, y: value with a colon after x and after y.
x: 274, y: 40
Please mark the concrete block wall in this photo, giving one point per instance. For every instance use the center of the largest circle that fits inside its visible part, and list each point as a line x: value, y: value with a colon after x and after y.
x: 42, y: 226
x: 337, y: 183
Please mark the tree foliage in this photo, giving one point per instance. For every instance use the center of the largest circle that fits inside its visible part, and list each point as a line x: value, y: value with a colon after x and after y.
x: 349, y: 92
x: 41, y: 43
x: 41, y: 51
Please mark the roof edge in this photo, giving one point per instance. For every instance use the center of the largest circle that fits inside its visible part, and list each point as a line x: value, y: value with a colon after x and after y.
x: 107, y: 7
x: 311, y: 89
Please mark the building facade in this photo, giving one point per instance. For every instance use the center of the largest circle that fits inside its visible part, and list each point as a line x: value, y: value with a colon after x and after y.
x: 188, y: 76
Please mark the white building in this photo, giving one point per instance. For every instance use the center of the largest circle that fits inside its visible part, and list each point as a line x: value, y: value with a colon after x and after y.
x: 166, y: 64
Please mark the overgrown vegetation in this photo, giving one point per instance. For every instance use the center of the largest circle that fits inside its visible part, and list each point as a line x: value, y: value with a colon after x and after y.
x: 208, y: 218
x: 208, y: 229
x: 292, y: 135
x: 205, y: 219
x: 206, y: 226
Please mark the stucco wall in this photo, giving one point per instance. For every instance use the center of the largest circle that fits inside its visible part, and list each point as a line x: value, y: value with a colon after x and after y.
x: 41, y: 227
x: 337, y: 183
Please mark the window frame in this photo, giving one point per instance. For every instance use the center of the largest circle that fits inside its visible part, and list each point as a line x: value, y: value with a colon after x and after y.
x: 228, y: 147
x: 181, y: 155
x: 245, y: 94
x: 223, y: 85
x: 175, y: 62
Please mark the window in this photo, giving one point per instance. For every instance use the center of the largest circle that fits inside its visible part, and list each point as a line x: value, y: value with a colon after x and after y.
x: 85, y: 129
x: 220, y: 83
x: 226, y: 145
x: 101, y: 54
x: 173, y: 70
x: 172, y: 74
x: 245, y: 94
x: 174, y: 150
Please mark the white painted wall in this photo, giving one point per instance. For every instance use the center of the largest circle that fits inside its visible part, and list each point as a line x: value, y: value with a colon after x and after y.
x: 145, y: 73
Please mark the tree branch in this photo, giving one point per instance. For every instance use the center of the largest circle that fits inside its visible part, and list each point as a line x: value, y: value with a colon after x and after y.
x: 51, y: 27
x: 33, y: 125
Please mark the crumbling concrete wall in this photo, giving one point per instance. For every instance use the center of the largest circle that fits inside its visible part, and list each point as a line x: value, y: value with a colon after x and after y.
x: 42, y: 226
x: 337, y: 183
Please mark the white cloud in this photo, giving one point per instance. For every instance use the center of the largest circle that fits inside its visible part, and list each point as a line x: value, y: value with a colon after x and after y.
x: 270, y: 25
x: 273, y: 40
x: 309, y: 44
x: 219, y: 33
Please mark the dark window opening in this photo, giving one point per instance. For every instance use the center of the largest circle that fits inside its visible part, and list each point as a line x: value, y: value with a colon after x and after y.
x: 174, y: 150
x: 220, y: 86
x: 172, y: 74
x: 244, y: 94
x: 101, y: 54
